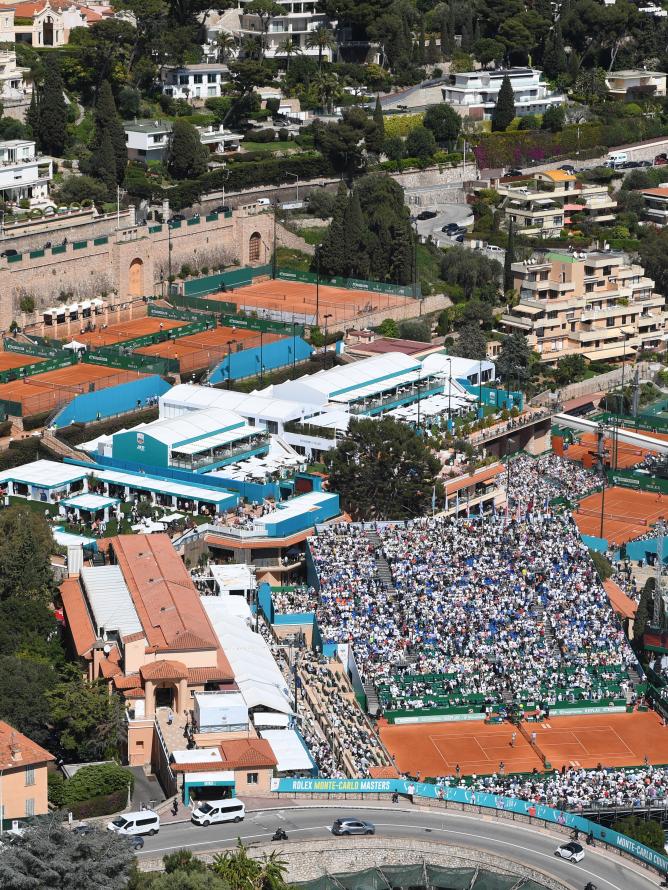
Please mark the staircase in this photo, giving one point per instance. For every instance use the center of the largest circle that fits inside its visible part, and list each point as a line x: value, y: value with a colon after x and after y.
x: 550, y: 639
x: 372, y: 702
x: 382, y: 566
x: 64, y: 450
x: 635, y: 676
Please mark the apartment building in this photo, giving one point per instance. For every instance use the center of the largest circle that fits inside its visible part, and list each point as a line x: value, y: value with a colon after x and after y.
x: 597, y: 305
x: 195, y: 83
x: 656, y: 205
x: 636, y: 83
x: 24, y: 175
x: 546, y: 205
x: 474, y: 93
x: 299, y: 19
x: 23, y: 782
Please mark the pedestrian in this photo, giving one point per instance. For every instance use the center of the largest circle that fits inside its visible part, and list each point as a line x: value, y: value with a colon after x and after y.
x: 513, y: 739
x: 458, y: 771
x: 170, y: 717
x: 533, y: 738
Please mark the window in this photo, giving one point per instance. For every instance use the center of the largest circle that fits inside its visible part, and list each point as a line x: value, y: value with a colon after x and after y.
x: 211, y: 78
x: 30, y: 775
x: 272, y: 426
x: 30, y: 806
x: 252, y: 778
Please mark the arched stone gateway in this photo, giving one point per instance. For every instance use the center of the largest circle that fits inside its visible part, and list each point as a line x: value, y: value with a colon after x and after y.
x: 136, y: 278
x: 254, y: 245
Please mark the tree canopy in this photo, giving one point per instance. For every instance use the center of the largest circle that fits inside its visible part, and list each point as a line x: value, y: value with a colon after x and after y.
x: 513, y: 362
x: 383, y: 470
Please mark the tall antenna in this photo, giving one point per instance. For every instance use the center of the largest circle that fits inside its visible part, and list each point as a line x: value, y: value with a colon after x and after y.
x: 659, y: 582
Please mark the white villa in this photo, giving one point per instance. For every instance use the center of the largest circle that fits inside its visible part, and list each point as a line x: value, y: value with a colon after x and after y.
x: 474, y: 93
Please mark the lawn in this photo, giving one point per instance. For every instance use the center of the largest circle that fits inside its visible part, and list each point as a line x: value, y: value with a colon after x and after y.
x: 313, y: 234
x: 247, y: 145
x: 288, y: 258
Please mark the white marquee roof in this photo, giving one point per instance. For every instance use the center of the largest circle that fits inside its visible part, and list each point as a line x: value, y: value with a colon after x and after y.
x: 110, y: 599
x: 189, y: 397
x: 288, y: 749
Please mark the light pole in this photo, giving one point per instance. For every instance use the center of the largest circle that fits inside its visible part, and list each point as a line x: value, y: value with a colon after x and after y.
x: 261, y: 359
x: 624, y: 336
x: 294, y: 345
x: 296, y: 176
x: 229, y: 363
x: 317, y: 284
x: 450, y: 424
x: 480, y: 410
x: 324, y: 362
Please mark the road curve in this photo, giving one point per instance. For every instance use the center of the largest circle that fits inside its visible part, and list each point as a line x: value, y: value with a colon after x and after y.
x: 503, y: 838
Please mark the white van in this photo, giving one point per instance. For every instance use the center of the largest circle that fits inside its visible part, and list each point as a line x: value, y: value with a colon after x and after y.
x: 229, y: 810
x: 263, y: 202
x: 142, y: 822
x: 615, y: 158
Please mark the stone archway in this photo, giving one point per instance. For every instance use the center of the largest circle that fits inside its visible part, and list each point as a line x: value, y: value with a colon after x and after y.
x: 136, y: 278
x: 254, y: 247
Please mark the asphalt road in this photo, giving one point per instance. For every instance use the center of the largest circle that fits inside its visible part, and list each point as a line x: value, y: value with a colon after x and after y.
x: 502, y: 838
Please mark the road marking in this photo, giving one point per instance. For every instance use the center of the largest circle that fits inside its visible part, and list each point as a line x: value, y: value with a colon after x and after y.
x: 483, y: 837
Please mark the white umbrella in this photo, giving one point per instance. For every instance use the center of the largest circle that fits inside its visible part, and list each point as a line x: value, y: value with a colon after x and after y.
x: 75, y: 345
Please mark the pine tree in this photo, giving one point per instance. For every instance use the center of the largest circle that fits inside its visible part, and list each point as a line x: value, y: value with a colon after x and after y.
x: 467, y: 30
x: 420, y: 51
x: 332, y: 253
x: 32, y: 115
x: 52, y: 129
x: 554, y: 55
x: 103, y: 165
x: 504, y: 110
x: 433, y: 55
x: 108, y: 125
x: 508, y: 279
x: 187, y: 157
x: 354, y: 229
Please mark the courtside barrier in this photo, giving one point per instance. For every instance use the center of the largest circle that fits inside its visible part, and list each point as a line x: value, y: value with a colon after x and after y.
x: 470, y: 797
x: 380, y: 287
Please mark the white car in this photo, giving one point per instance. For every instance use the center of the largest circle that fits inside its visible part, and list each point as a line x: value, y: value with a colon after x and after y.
x: 572, y: 852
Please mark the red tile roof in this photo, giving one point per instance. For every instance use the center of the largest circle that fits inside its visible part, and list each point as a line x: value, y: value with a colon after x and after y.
x: 76, y: 616
x: 30, y: 9
x: 164, y: 670
x: 108, y: 668
x: 620, y: 602
x: 206, y: 675
x: 129, y: 682
x: 247, y: 753
x: 655, y: 193
x: 459, y: 482
x: 134, y: 693
x: 17, y: 750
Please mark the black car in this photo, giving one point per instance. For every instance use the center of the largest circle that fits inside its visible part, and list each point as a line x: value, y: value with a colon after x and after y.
x: 514, y: 173
x: 9, y: 252
x: 137, y: 842
x: 568, y: 168
x: 83, y: 829
x: 427, y: 214
x: 177, y: 217
x: 460, y: 239
x: 223, y: 208
x: 451, y: 229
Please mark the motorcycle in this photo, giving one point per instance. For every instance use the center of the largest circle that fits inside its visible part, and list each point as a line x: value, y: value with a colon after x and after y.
x: 279, y: 835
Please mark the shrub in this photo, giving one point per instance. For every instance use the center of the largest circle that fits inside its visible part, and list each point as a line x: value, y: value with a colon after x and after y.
x: 104, y: 805
x: 97, y: 780
x: 27, y: 304
x: 267, y: 135
x: 401, y: 125
x: 36, y: 421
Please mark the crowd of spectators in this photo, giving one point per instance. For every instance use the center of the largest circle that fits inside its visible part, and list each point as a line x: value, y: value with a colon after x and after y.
x: 578, y: 789
x: 502, y: 605
x: 300, y: 599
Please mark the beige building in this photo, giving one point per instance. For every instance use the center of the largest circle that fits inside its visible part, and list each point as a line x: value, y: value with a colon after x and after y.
x: 636, y: 84
x: 23, y: 782
x: 545, y: 207
x: 596, y: 305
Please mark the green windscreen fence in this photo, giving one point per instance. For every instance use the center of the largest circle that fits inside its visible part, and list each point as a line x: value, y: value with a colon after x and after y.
x: 379, y: 287
x: 390, y: 877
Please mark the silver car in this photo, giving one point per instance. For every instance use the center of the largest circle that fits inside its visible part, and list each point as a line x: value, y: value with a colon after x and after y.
x: 353, y: 826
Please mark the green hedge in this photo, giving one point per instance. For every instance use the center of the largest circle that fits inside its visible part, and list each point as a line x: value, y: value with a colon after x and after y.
x: 92, y: 786
x: 77, y: 433
x: 103, y: 805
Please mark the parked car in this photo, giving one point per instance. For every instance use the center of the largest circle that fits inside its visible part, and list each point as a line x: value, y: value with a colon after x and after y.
x: 177, y: 217
x: 460, y: 239
x: 137, y: 842
x: 222, y: 208
x: 141, y: 822
x: 263, y: 202
x: 451, y: 229
x: 352, y: 826
x: 572, y: 852
x: 644, y: 163
x: 493, y: 248
x: 568, y: 168
x: 83, y: 828
x: 11, y: 251
x: 427, y: 214
x: 514, y: 173
x: 228, y: 810
x: 661, y: 159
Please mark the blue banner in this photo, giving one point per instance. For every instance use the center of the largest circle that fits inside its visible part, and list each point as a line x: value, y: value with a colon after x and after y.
x: 474, y: 798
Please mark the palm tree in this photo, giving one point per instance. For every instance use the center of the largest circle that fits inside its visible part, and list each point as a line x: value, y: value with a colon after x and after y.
x: 251, y: 47
x: 289, y: 49
x: 322, y: 38
x: 226, y: 45
x: 326, y: 87
x: 265, y: 10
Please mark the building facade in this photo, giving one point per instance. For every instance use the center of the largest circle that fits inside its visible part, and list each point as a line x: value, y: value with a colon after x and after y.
x: 23, y: 777
x: 597, y: 305
x: 474, y: 93
x: 299, y: 19
x: 24, y: 175
x: 195, y: 83
x: 636, y: 84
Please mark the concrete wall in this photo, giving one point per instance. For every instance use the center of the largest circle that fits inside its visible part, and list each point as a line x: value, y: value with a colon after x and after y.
x: 600, y: 383
x: 77, y: 226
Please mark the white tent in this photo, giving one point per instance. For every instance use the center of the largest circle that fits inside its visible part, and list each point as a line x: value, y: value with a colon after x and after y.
x: 75, y: 346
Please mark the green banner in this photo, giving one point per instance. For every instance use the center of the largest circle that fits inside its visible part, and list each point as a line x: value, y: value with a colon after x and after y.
x: 42, y: 350
x: 211, y: 284
x: 647, y: 422
x: 145, y: 364
x: 174, y: 314
x: 628, y: 479
x: 380, y: 287
x: 202, y: 305
x: 261, y: 324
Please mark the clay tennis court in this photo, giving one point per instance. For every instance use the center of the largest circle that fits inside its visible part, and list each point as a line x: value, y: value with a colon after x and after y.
x: 584, y: 451
x: 9, y: 360
x: 627, y: 513
x: 44, y: 392
x: 204, y: 349
x: 435, y: 749
x: 297, y: 299
x: 119, y: 333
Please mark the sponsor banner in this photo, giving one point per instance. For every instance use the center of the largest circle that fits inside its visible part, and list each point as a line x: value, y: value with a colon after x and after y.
x: 474, y: 798
x: 567, y: 712
x: 437, y: 718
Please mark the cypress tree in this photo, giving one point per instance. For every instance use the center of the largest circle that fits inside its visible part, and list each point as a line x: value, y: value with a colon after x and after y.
x: 333, y: 259
x: 52, y: 129
x: 103, y: 165
x: 357, y: 264
x: 187, y: 156
x: 554, y: 55
x: 467, y: 30
x: 509, y: 259
x: 433, y: 55
x: 32, y: 115
x: 420, y: 56
x: 448, y: 27
x: 108, y: 125
x: 504, y: 110
x: 375, y: 138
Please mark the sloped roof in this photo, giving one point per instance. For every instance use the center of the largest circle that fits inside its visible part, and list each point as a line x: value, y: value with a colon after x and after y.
x: 17, y: 750
x: 76, y: 615
x: 164, y: 670
x: 245, y: 753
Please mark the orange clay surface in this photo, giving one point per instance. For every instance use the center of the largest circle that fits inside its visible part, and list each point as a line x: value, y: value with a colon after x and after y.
x: 216, y: 338
x: 119, y: 333
x: 76, y: 376
x: 9, y: 360
x: 627, y: 455
x: 299, y: 298
x: 435, y: 749
x: 627, y: 513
